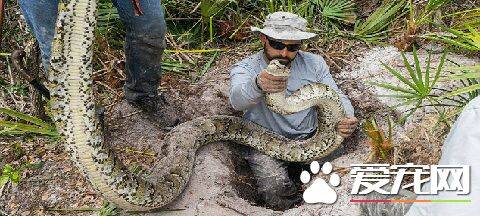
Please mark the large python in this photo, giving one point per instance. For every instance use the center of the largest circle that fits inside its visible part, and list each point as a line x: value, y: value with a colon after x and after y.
x: 72, y: 105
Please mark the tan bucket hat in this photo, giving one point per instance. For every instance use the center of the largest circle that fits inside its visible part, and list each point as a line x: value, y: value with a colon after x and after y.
x: 285, y: 26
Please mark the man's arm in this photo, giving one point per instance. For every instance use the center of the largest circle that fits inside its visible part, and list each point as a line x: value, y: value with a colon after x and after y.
x: 244, y: 91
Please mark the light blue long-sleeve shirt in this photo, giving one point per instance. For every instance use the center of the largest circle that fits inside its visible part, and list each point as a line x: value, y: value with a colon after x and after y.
x: 246, y: 96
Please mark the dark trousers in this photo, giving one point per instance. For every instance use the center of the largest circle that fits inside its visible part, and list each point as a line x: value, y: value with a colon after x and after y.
x: 278, y: 182
x: 145, y: 40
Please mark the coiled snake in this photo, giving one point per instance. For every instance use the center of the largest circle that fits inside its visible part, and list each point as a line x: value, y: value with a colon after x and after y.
x: 72, y: 104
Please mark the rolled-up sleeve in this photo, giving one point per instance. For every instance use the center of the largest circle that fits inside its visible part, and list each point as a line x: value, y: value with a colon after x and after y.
x: 326, y: 78
x: 244, y: 92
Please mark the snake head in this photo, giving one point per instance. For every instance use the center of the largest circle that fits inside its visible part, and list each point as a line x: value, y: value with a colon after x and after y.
x: 275, y: 68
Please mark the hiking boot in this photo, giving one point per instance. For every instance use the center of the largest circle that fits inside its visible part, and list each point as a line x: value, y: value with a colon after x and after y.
x: 282, y: 202
x: 158, y: 111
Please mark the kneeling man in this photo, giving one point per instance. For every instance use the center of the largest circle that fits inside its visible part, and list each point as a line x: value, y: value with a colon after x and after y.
x: 282, y: 35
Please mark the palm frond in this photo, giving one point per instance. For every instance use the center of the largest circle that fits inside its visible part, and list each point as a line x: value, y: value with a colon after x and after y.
x: 468, y: 39
x: 332, y: 13
x: 417, y: 85
x: 463, y: 19
x: 376, y: 25
x: 31, y: 125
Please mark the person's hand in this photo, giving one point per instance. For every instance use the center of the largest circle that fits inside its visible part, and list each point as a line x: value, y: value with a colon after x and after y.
x: 271, y: 84
x: 347, y: 126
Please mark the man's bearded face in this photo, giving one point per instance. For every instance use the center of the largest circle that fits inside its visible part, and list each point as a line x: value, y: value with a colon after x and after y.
x: 285, y: 60
x: 285, y: 56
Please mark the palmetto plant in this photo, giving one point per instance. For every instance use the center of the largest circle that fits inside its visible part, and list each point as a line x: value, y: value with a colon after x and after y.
x: 469, y: 88
x: 469, y: 79
x: 463, y: 33
x: 30, y: 124
x: 415, y: 20
x: 333, y: 13
x: 426, y: 12
x: 469, y: 39
x: 463, y: 19
x: 375, y: 27
x: 417, y: 86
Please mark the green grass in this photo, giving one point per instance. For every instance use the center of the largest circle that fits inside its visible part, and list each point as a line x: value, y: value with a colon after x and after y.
x: 279, y: 5
x: 210, y: 9
x: 175, y: 67
x: 207, y: 66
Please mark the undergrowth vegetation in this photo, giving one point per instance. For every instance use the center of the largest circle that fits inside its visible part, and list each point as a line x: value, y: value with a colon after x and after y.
x: 200, y: 31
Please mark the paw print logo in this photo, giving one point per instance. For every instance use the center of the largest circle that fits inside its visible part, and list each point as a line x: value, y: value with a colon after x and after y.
x: 320, y: 191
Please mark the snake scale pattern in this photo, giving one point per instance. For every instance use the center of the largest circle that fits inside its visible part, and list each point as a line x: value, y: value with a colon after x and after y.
x: 72, y: 107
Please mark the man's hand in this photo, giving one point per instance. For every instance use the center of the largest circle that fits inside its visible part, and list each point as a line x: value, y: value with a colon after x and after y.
x: 347, y: 126
x: 271, y: 84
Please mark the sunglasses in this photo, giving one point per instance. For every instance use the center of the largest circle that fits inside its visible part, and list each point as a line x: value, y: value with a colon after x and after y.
x: 280, y: 46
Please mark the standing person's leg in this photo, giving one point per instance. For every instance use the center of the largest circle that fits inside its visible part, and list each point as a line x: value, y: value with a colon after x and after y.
x: 145, y: 42
x: 41, y: 16
x: 273, y: 182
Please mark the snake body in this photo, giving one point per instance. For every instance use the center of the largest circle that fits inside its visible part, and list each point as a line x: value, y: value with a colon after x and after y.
x: 72, y: 105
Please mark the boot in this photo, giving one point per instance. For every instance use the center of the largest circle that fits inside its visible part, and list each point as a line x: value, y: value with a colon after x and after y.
x: 158, y: 111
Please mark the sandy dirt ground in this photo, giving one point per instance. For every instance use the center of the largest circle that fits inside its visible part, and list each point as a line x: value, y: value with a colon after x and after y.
x: 216, y: 187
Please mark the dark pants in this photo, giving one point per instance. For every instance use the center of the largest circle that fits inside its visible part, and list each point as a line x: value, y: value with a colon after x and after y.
x: 145, y: 40
x: 278, y: 182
